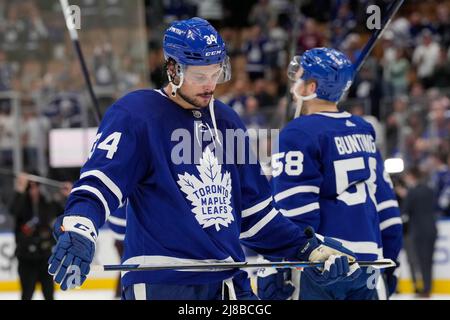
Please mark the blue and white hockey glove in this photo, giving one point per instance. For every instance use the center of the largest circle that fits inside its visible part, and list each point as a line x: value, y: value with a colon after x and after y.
x: 335, y: 256
x: 74, y: 250
x: 274, y: 284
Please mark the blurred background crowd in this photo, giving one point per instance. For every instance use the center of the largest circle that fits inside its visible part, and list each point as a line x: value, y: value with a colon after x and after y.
x: 403, y: 89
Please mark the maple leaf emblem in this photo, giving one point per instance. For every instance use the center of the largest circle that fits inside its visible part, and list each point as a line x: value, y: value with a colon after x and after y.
x: 210, y: 195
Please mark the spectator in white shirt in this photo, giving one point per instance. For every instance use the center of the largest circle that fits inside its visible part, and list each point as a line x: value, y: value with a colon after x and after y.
x: 426, y: 55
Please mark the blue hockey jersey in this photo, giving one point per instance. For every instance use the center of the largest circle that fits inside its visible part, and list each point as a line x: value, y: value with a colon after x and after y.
x: 117, y: 221
x: 187, y: 207
x: 329, y: 174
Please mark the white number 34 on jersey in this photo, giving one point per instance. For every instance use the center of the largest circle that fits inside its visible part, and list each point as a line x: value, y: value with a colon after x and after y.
x: 108, y: 144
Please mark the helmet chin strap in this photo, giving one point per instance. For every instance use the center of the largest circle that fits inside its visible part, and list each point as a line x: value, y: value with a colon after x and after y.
x: 213, y: 118
x: 300, y: 98
x: 174, y: 86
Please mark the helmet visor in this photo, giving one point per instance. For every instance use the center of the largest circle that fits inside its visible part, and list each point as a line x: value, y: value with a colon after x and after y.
x: 295, y: 70
x: 210, y: 74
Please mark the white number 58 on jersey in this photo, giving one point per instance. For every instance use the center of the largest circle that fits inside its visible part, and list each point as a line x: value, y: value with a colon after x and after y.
x: 109, y: 144
x: 292, y: 164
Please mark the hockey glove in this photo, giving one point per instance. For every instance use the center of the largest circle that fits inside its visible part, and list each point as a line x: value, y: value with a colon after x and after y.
x: 336, y: 258
x: 274, y: 284
x: 74, y: 250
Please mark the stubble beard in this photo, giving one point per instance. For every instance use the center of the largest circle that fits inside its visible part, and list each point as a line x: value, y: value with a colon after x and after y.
x: 192, y: 101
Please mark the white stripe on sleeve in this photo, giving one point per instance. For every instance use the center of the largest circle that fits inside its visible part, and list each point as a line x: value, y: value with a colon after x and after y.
x: 387, y: 204
x: 292, y: 191
x: 390, y: 222
x: 256, y: 208
x: 301, y: 210
x: 118, y: 221
x: 99, y: 196
x: 107, y: 182
x: 259, y: 225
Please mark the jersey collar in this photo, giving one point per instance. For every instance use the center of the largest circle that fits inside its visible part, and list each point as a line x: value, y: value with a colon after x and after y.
x: 336, y: 115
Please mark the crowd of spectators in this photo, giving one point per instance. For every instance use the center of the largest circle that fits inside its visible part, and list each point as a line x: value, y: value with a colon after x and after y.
x: 37, y: 62
x: 41, y: 77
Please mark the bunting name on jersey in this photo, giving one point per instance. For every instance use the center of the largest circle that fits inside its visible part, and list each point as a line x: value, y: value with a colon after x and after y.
x: 354, y: 143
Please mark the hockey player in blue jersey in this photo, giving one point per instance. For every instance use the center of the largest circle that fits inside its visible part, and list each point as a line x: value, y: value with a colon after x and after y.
x: 187, y: 206
x: 328, y: 174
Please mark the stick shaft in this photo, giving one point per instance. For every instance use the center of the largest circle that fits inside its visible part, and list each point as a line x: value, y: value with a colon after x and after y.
x: 35, y: 178
x: 292, y: 53
x: 226, y: 266
x: 76, y: 43
x: 391, y: 11
x: 43, y: 180
x: 87, y: 79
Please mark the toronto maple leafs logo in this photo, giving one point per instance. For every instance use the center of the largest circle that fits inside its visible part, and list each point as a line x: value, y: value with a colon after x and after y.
x: 190, y: 35
x: 211, y: 194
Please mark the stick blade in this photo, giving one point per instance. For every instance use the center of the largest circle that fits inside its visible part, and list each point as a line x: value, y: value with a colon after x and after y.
x: 384, y: 263
x: 97, y: 268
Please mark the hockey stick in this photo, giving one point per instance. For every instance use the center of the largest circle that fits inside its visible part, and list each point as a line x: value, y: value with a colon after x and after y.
x: 293, y: 51
x: 76, y: 43
x: 34, y: 178
x: 383, y: 263
x: 391, y: 11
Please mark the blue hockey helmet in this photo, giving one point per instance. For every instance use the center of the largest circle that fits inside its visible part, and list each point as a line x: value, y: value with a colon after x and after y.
x: 330, y: 68
x: 194, y: 42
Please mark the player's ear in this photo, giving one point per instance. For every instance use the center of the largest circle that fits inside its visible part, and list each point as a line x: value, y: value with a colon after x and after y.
x: 311, y: 87
x: 171, y: 66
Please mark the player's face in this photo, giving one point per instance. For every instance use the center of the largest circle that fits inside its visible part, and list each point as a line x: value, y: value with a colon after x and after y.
x: 199, y: 84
